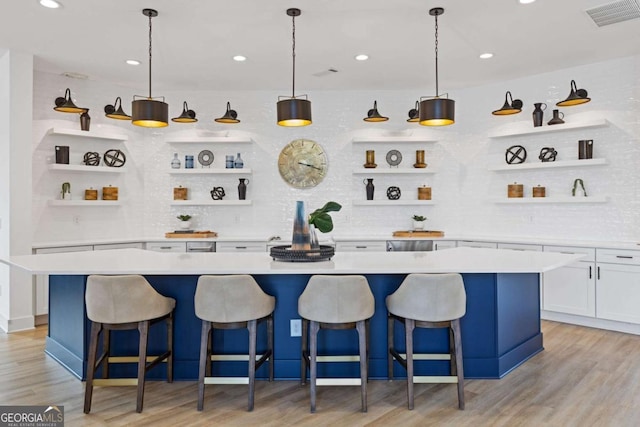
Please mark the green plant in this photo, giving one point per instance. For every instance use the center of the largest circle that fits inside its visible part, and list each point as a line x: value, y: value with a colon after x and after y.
x: 419, y: 218
x: 321, y: 219
x: 66, y: 187
x: 184, y: 217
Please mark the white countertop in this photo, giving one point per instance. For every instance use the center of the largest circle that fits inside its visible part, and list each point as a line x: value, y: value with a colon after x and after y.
x: 138, y: 261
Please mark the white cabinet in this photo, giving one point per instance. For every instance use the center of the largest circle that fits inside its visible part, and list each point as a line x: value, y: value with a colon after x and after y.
x: 166, y: 246
x: 361, y: 246
x: 439, y: 245
x: 253, y: 246
x: 571, y: 289
x: 618, y: 285
x: 520, y: 247
x: 107, y: 246
x: 475, y: 244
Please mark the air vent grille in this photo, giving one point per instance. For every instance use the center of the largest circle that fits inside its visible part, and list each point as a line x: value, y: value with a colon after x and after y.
x: 615, y: 12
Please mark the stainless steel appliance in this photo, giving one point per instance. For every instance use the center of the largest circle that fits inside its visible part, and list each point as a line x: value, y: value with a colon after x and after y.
x: 409, y: 245
x: 201, y: 246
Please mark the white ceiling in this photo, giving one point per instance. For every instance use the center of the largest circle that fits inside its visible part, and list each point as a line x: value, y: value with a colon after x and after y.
x: 194, y: 41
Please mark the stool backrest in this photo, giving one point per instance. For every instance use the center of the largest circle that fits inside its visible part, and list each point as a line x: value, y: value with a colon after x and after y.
x: 429, y: 297
x: 124, y: 299
x: 336, y: 299
x: 233, y: 298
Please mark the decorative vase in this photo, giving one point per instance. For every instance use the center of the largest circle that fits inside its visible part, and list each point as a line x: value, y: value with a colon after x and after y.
x: 557, y: 118
x: 85, y: 121
x: 420, y: 160
x: 538, y: 113
x: 369, y: 187
x: 238, y: 163
x: 228, y: 161
x: 313, y: 237
x: 185, y: 225
x: 242, y: 188
x: 175, y: 163
x: 418, y: 225
x: 301, y: 239
x: 585, y: 149
x: 188, y: 162
x: 370, y: 159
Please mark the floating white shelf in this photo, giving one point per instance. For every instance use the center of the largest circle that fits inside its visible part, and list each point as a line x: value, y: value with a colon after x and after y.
x: 209, y: 139
x: 211, y: 202
x: 391, y: 139
x: 392, y: 202
x: 97, y: 134
x: 393, y: 171
x: 527, y: 129
x: 84, y: 203
x: 548, y: 200
x: 84, y: 168
x: 549, y: 165
x: 219, y: 171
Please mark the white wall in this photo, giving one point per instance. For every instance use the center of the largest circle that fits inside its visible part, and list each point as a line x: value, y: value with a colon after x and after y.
x: 463, y: 188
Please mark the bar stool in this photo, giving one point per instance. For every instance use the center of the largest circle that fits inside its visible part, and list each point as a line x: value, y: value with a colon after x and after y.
x: 335, y: 302
x: 428, y: 301
x: 232, y: 302
x: 120, y: 303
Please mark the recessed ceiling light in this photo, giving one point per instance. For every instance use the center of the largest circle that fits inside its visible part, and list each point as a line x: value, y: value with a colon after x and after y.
x: 51, y: 4
x: 132, y: 62
x: 486, y: 55
x: 525, y: 1
x: 239, y: 58
x: 362, y: 57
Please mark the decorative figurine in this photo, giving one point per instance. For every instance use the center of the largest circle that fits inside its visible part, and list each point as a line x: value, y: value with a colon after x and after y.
x: 548, y: 154
x: 515, y: 154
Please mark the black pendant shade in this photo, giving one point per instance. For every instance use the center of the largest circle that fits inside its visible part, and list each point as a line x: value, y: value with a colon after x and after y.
x: 437, y: 111
x: 149, y: 112
x: 230, y: 116
x: 187, y: 116
x: 66, y: 105
x: 115, y: 111
x: 513, y: 107
x: 374, y: 116
x: 294, y: 111
x: 414, y: 114
x: 576, y: 97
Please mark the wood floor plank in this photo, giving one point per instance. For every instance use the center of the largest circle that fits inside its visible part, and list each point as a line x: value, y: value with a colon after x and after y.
x: 585, y: 377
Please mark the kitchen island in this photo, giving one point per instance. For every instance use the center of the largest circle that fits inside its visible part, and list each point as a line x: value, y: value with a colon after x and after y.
x: 500, y: 330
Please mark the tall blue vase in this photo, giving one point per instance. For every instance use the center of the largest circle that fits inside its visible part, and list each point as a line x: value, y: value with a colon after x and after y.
x: 301, y: 239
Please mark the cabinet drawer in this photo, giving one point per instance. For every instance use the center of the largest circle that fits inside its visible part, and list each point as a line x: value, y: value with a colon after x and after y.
x: 443, y: 244
x: 590, y: 253
x: 166, y: 247
x: 361, y: 246
x: 520, y: 247
x: 62, y: 249
x: 241, y: 247
x: 117, y: 246
x: 473, y: 244
x: 618, y: 256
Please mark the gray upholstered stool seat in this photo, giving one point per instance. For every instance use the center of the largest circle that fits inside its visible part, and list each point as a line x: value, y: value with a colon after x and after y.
x: 232, y: 302
x: 428, y: 301
x: 335, y: 302
x: 118, y: 303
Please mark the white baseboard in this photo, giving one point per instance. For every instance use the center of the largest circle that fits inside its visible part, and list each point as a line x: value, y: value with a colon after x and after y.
x: 15, y: 325
x: 629, y: 328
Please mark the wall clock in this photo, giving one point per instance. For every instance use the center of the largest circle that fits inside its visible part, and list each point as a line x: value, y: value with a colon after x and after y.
x: 302, y: 163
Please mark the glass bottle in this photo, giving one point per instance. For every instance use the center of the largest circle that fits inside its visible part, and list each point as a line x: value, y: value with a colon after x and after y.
x: 238, y: 163
x: 175, y: 163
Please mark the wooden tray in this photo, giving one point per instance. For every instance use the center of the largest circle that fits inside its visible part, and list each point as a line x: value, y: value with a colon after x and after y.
x: 194, y: 235
x: 418, y: 233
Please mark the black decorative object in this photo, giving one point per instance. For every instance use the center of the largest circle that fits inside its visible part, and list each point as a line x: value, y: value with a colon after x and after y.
x: 393, y: 193
x: 230, y: 116
x: 585, y: 149
x: 285, y: 253
x: 115, y: 111
x: 62, y: 154
x: 66, y: 105
x: 538, y: 113
x: 85, y: 121
x: 548, y: 154
x: 513, y: 107
x: 242, y: 188
x: 374, y: 116
x: 368, y: 182
x: 576, y: 97
x: 394, y: 157
x: 575, y: 188
x: 515, y: 154
x: 217, y: 193
x: 187, y: 116
x: 114, y: 158
x: 557, y: 118
x: 205, y: 157
x: 91, y: 158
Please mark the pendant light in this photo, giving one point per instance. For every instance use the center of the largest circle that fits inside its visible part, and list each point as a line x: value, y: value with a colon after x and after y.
x: 414, y: 114
x: 187, y: 116
x: 513, y: 107
x: 437, y: 111
x: 115, y: 111
x: 374, y: 116
x: 66, y: 105
x: 230, y: 116
x: 149, y: 112
x: 576, y: 97
x: 294, y: 111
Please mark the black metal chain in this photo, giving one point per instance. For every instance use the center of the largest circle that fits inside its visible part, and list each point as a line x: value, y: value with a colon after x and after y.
x: 437, y: 91
x: 150, y: 56
x: 293, y: 55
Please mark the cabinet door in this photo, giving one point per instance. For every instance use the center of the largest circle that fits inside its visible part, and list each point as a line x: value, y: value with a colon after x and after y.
x: 166, y: 246
x: 439, y: 245
x: 571, y: 289
x: 618, y: 292
x: 361, y: 246
x: 473, y: 244
x: 241, y: 247
x: 107, y: 246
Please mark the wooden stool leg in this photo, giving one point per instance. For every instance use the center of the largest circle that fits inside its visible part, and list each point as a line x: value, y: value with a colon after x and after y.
x: 303, y: 349
x: 270, y: 344
x: 409, y: 325
x: 91, y: 365
x: 251, y: 325
x: 106, y: 348
x: 143, y: 328
x: 455, y: 327
x: 170, y: 348
x: 313, y: 338
x: 390, y: 324
x: 361, y: 327
x: 452, y: 352
x: 205, y: 360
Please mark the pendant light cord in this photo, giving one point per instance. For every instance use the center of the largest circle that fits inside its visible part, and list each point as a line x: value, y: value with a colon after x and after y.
x: 437, y: 91
x: 293, y: 55
x: 149, y: 56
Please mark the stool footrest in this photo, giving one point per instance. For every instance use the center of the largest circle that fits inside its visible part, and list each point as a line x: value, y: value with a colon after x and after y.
x: 226, y: 380
x: 338, y: 381
x: 428, y: 356
x: 131, y: 359
x: 117, y: 382
x: 435, y: 379
x: 233, y: 357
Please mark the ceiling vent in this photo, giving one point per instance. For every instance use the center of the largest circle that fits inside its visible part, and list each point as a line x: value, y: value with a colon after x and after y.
x: 615, y: 12
x: 325, y: 72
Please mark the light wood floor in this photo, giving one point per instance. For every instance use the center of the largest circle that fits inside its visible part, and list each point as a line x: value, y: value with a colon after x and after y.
x: 585, y: 377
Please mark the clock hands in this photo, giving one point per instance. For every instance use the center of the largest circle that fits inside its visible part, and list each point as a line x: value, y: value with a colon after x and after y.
x: 311, y: 166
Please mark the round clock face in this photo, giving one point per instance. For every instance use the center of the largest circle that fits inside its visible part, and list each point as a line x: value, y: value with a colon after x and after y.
x: 302, y: 163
